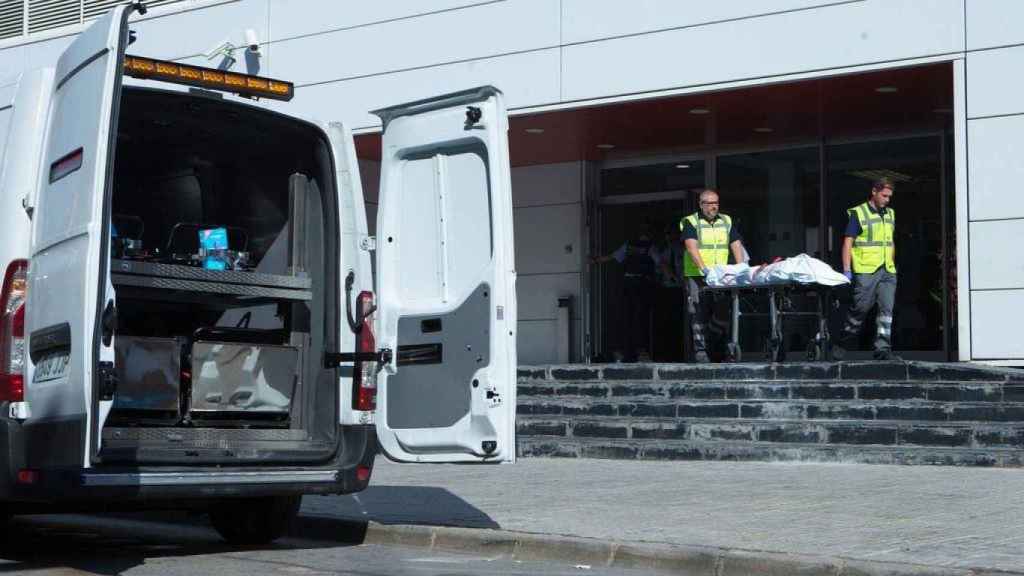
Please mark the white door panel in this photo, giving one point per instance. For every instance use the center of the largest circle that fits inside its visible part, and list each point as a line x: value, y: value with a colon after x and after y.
x: 445, y: 282
x: 69, y: 282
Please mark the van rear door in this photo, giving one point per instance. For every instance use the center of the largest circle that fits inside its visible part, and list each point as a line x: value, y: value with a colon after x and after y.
x: 446, y: 281
x: 69, y: 313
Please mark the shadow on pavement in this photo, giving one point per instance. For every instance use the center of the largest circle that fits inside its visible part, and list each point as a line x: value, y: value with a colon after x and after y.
x: 402, y: 505
x: 112, y: 544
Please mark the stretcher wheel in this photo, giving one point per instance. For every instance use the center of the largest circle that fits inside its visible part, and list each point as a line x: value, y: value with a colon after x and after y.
x: 735, y: 354
x: 776, y: 349
x: 818, y: 350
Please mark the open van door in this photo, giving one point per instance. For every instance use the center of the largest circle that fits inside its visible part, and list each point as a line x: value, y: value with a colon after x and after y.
x: 446, y: 281
x: 69, y: 312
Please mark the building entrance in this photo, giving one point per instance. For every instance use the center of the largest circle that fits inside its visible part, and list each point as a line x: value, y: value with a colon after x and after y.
x: 634, y: 201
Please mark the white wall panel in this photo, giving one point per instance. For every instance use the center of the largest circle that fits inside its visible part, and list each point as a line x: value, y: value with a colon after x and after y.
x: 12, y: 61
x: 995, y: 149
x: 535, y: 342
x: 483, y: 31
x: 193, y: 32
x: 829, y: 37
x: 301, y: 17
x: 996, y: 261
x: 584, y: 20
x: 547, y: 184
x: 994, y: 23
x: 547, y: 239
x: 538, y: 295
x: 526, y: 79
x: 991, y: 87
x: 996, y: 318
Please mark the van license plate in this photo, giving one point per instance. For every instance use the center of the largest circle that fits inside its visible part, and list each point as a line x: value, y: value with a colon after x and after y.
x: 52, y: 367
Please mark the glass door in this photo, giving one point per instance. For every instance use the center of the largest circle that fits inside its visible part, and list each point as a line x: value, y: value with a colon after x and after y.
x: 773, y: 198
x: 636, y: 200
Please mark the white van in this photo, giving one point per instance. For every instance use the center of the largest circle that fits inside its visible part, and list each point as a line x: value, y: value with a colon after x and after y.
x: 140, y: 366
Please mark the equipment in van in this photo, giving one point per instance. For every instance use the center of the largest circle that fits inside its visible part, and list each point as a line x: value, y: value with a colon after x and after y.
x: 126, y: 237
x: 213, y: 247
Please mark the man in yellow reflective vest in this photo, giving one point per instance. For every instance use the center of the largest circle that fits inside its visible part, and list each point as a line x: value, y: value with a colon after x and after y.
x: 708, y: 237
x: 869, y: 261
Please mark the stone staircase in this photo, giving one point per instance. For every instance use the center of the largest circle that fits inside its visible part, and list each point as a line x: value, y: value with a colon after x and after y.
x: 871, y: 412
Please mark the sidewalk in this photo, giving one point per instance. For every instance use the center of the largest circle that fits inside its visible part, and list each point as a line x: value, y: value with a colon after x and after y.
x: 932, y: 516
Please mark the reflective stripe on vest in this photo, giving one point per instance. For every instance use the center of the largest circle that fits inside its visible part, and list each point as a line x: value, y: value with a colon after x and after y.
x: 873, y: 248
x: 712, y: 242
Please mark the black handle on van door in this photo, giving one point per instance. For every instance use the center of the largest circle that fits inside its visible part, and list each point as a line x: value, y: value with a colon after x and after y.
x: 108, y: 322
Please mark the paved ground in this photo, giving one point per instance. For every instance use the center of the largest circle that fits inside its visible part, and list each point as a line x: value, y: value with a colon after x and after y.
x: 938, y: 516
x: 159, y: 545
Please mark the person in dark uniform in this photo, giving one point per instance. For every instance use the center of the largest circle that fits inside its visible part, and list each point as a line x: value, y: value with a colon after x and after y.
x: 639, y: 269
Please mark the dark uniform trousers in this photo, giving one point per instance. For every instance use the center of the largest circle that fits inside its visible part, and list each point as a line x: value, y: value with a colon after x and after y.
x: 638, y: 298
x: 707, y: 316
x: 868, y: 289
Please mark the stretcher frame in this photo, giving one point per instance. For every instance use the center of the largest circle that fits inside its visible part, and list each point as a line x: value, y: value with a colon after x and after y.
x: 819, y: 347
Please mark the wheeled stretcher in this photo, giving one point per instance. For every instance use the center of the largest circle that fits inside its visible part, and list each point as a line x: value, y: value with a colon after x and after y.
x: 775, y: 300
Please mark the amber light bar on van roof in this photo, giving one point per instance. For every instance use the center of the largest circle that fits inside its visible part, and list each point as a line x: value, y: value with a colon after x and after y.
x: 243, y: 84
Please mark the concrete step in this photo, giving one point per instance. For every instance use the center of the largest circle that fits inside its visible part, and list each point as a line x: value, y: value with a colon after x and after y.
x: 911, y: 412
x: 871, y: 371
x: 901, y: 410
x: 995, y: 392
x: 765, y: 451
x: 851, y: 432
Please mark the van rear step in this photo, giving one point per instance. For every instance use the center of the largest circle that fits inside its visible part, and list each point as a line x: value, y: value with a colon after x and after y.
x: 200, y: 436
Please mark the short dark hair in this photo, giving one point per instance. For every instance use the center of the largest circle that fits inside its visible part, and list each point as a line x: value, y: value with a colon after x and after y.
x: 883, y: 182
x: 707, y: 191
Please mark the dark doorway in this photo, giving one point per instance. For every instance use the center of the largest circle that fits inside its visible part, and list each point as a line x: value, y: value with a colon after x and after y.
x: 653, y: 197
x: 915, y: 165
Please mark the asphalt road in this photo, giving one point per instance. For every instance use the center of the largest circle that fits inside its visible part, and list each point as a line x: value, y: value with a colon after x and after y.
x: 141, y: 545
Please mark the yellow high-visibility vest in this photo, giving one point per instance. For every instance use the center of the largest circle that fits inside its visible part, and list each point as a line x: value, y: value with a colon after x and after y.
x: 712, y: 241
x: 875, y: 245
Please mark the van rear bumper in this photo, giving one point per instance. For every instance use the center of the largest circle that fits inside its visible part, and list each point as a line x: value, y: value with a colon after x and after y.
x: 104, y: 488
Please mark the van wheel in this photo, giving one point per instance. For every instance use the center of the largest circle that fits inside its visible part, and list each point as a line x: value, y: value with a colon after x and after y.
x: 254, y: 520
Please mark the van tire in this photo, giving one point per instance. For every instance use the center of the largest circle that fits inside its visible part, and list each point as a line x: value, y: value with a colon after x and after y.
x: 254, y: 520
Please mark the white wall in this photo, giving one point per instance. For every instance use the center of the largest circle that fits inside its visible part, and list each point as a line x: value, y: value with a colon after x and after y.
x: 548, y: 209
x: 995, y: 148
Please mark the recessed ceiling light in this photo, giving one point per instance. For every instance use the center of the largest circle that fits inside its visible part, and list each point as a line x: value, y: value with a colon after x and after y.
x: 699, y: 110
x: 763, y: 129
x: 887, y: 89
x: 534, y: 130
x: 606, y: 146
x: 683, y: 166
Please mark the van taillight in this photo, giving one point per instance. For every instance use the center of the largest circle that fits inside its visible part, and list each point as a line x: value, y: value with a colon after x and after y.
x: 12, y: 332
x: 364, y: 375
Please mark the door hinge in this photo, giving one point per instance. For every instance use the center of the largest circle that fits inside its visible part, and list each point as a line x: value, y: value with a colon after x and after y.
x: 108, y: 380
x: 368, y: 243
x: 26, y: 204
x: 335, y: 359
x: 19, y: 411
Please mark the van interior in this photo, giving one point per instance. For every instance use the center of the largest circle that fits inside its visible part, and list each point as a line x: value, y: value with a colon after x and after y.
x: 222, y: 217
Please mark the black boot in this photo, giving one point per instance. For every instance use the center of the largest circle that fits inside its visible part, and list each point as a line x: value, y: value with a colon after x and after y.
x: 887, y: 355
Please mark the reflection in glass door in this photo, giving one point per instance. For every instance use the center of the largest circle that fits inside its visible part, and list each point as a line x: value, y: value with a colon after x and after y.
x: 774, y: 200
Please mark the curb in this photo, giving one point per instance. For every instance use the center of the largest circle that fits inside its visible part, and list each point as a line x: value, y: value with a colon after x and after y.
x: 682, y: 559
